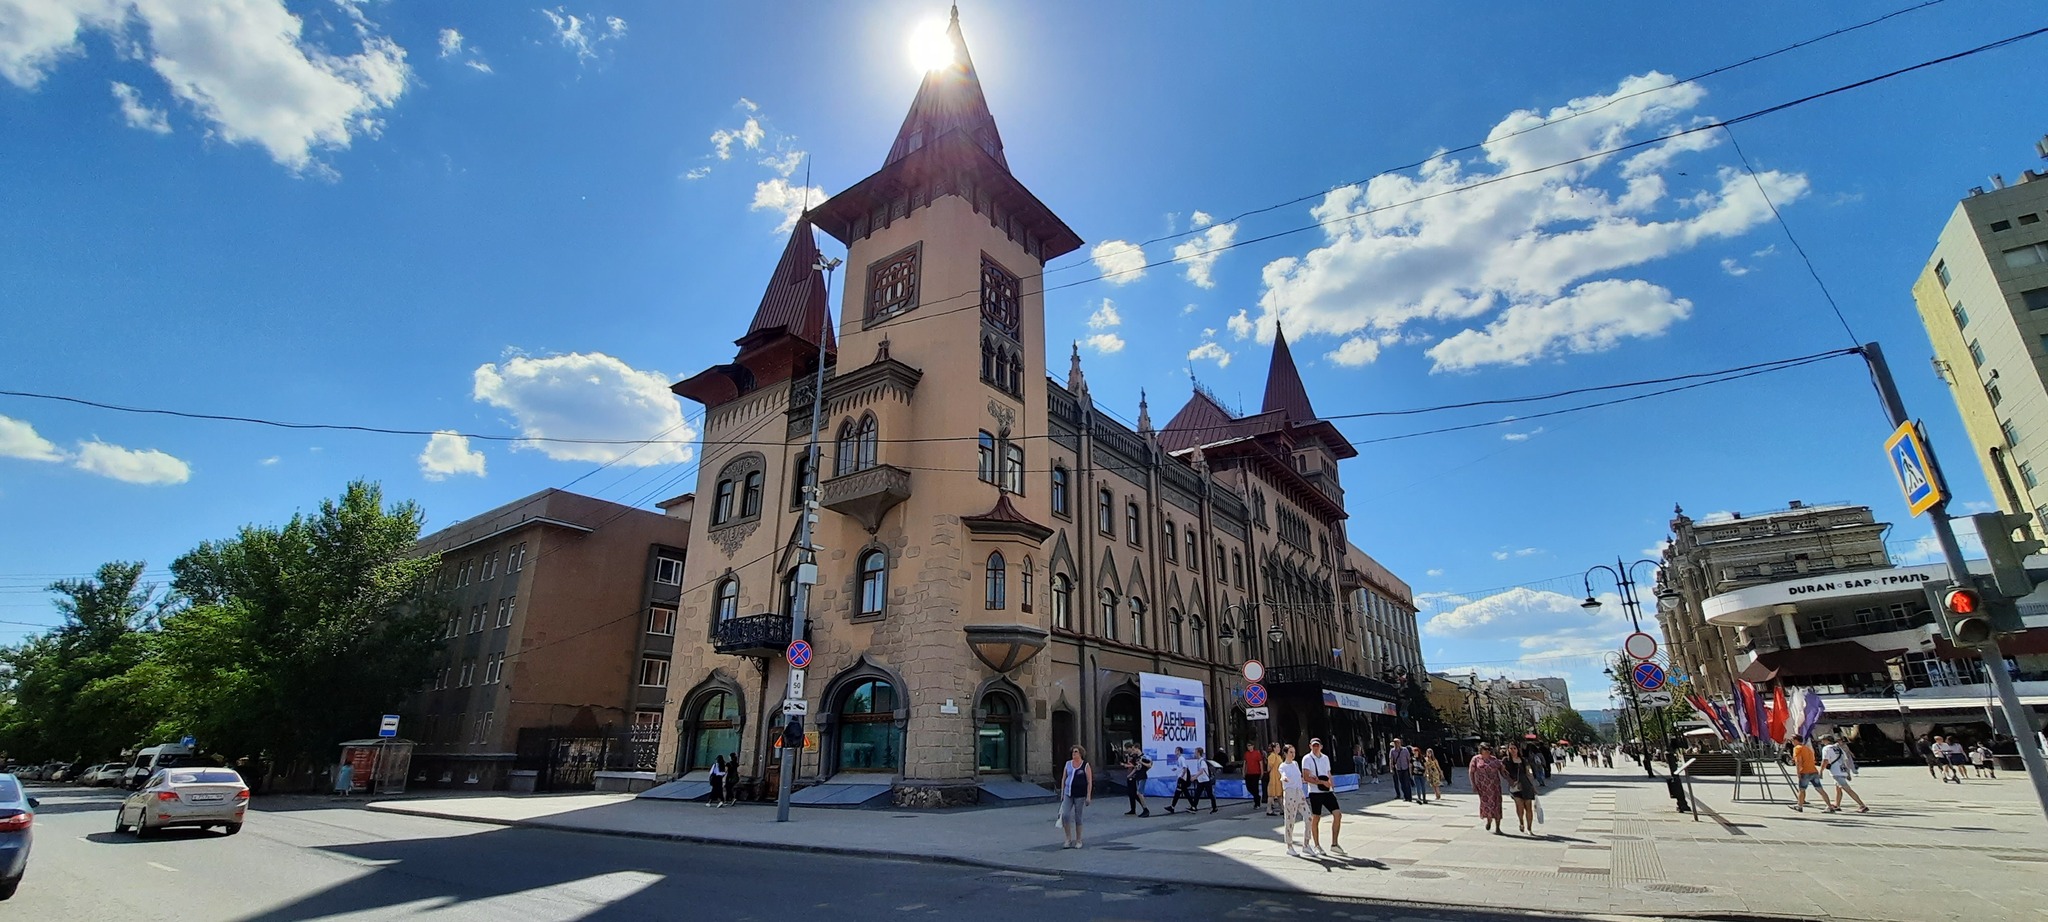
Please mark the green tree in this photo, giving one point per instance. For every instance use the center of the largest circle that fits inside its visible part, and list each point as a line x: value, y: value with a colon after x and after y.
x: 298, y: 637
x: 70, y: 692
x: 1567, y: 725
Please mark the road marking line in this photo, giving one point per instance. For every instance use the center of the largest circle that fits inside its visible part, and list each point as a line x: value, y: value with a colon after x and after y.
x: 163, y: 867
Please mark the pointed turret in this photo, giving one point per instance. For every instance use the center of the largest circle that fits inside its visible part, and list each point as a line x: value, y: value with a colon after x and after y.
x: 794, y: 303
x: 1284, y: 390
x: 1144, y: 414
x: 1077, y: 383
x: 950, y: 99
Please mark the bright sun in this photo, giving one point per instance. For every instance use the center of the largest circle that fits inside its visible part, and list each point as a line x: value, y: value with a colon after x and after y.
x: 930, y: 47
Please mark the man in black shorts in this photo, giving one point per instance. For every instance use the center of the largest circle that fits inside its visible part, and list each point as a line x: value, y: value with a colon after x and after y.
x: 1322, y: 795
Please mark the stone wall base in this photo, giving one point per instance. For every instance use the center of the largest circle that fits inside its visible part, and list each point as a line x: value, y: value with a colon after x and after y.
x: 935, y: 794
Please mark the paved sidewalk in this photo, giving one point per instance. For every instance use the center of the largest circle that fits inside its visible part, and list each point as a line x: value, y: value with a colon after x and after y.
x: 1611, y: 844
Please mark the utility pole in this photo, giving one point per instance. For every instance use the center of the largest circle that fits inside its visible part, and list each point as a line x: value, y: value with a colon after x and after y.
x: 807, y: 563
x: 2017, y: 717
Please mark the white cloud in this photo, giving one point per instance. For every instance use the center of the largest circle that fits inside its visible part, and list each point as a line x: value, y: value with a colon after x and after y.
x: 1210, y: 350
x: 139, y: 114
x: 581, y: 35
x: 1105, y: 317
x: 1432, y: 248
x: 448, y: 453
x: 1528, y: 614
x: 1656, y: 551
x: 1730, y: 266
x: 1191, y: 309
x: 698, y: 173
x: 1974, y: 507
x: 1593, y: 318
x: 1925, y: 549
x: 1120, y: 261
x: 244, y: 67
x: 1432, y: 572
x: 130, y: 465
x: 471, y: 56
x: 748, y: 104
x: 270, y: 461
x: 779, y: 195
x: 588, y: 396
x: 1522, y: 436
x: 1717, y: 517
x: 1355, y: 352
x: 748, y: 135
x: 18, y: 439
x: 1506, y: 553
x: 1240, y: 325
x: 1105, y: 343
x: 451, y: 43
x: 785, y: 163
x: 1200, y: 252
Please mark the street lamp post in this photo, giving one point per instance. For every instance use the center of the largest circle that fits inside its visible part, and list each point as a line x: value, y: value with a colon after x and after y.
x: 1624, y: 581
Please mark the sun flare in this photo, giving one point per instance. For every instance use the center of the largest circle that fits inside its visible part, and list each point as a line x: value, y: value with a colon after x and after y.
x: 930, y: 47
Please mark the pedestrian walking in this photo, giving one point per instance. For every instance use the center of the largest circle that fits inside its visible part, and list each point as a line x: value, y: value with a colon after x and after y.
x: 1205, y: 781
x: 1293, y: 799
x: 1398, y: 762
x: 1415, y: 774
x: 1486, y: 774
x: 1836, y: 758
x: 718, y: 776
x: 1276, y: 788
x: 1930, y: 753
x: 1322, y: 796
x: 1806, y: 774
x: 1358, y: 761
x: 1183, y: 780
x: 1952, y: 760
x: 1977, y: 754
x: 732, y: 778
x: 1607, y: 756
x: 1989, y: 759
x: 1522, y: 787
x: 1137, y: 766
x: 1255, y: 776
x: 1077, y: 790
x: 1433, y: 774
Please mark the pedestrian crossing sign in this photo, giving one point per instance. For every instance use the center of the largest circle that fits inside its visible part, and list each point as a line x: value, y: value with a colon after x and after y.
x: 1908, y: 454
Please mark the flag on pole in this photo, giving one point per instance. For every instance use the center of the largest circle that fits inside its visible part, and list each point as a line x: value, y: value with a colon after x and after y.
x: 1810, y: 712
x: 1705, y: 709
x: 1780, y: 712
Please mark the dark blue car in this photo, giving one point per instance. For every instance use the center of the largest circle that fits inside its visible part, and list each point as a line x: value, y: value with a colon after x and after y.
x: 17, y: 815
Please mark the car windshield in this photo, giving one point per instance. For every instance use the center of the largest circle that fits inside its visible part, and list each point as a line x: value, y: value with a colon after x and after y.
x: 9, y: 790
x: 208, y: 776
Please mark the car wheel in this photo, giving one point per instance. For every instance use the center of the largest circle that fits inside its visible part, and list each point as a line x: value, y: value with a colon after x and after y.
x: 119, y: 826
x: 142, y: 830
x: 231, y: 829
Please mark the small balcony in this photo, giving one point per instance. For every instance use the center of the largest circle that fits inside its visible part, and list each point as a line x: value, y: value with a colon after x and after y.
x: 753, y: 635
x: 868, y: 494
x: 1326, y: 481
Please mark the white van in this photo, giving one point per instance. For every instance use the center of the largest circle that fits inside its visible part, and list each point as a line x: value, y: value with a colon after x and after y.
x: 152, y: 758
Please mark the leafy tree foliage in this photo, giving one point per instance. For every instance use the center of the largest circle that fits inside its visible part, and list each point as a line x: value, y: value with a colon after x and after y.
x: 1567, y: 725
x: 72, y: 692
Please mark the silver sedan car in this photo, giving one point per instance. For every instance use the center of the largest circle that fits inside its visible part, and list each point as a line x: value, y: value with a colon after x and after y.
x: 194, y: 796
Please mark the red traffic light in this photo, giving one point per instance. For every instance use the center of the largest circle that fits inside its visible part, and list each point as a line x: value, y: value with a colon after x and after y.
x: 1962, y: 601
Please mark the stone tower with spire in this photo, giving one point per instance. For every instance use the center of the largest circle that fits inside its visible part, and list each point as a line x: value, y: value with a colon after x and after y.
x: 999, y: 562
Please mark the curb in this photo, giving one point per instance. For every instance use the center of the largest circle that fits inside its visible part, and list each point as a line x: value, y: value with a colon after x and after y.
x: 990, y: 864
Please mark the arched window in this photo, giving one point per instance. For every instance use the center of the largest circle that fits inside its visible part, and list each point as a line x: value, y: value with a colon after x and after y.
x: 799, y: 478
x: 1237, y: 569
x: 722, y: 506
x: 1137, y: 620
x: 868, y: 741
x: 1013, y: 468
x: 728, y: 605
x: 1024, y: 599
x: 995, y: 739
x: 1194, y: 551
x: 750, y: 495
x: 1062, y: 601
x: 1167, y: 540
x: 1060, y: 495
x: 845, y: 454
x: 1016, y: 374
x: 792, y: 594
x: 714, y: 727
x: 1132, y: 523
x: 985, y: 467
x: 1105, y: 512
x: 1109, y: 614
x: 1198, y: 635
x: 988, y: 360
x: 865, y: 439
x: 1173, y: 631
x: 874, y: 583
x: 1222, y: 572
x: 998, y: 578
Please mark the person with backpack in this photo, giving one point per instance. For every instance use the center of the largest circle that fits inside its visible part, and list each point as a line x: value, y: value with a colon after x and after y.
x: 718, y: 775
x: 1204, y: 781
x: 1836, y: 758
x: 1139, y: 765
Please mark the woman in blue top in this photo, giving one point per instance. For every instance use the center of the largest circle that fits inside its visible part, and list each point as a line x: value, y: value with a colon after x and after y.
x: 1077, y: 789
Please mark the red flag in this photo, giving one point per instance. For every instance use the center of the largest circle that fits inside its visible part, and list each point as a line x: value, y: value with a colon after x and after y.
x: 1779, y: 709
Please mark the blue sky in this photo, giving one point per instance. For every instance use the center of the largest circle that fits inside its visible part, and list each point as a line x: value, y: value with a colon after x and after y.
x: 503, y: 219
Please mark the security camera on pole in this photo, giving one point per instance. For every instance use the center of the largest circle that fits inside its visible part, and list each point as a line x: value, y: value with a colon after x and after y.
x: 1974, y: 610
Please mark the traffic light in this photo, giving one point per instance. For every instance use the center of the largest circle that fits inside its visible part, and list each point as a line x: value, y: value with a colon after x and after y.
x: 2007, y: 556
x: 1962, y: 608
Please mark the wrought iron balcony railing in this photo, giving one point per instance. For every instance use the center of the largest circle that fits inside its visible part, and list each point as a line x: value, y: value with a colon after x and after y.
x: 753, y: 635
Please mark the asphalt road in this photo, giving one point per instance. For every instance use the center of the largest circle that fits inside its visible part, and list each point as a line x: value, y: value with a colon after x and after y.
x: 304, y: 859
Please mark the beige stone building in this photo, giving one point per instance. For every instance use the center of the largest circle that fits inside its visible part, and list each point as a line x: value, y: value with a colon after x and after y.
x: 1708, y: 558
x: 1983, y: 297
x: 562, y: 615
x: 1000, y: 559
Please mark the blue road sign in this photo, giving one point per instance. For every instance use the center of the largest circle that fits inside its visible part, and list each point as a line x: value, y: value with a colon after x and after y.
x: 388, y: 727
x: 799, y: 654
x: 1255, y: 695
x: 1908, y: 454
x: 186, y: 741
x: 1648, y: 676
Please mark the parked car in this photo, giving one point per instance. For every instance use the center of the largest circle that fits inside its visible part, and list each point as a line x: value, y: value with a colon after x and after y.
x: 153, y: 758
x: 17, y: 816
x: 196, y: 796
x: 107, y: 774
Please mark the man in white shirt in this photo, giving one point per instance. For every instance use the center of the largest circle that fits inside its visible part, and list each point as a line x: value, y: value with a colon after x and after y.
x: 1322, y: 795
x: 1839, y: 762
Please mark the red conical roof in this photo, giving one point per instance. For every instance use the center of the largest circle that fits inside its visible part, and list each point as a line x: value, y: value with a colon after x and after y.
x: 950, y: 99
x: 795, y: 303
x: 1284, y: 390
